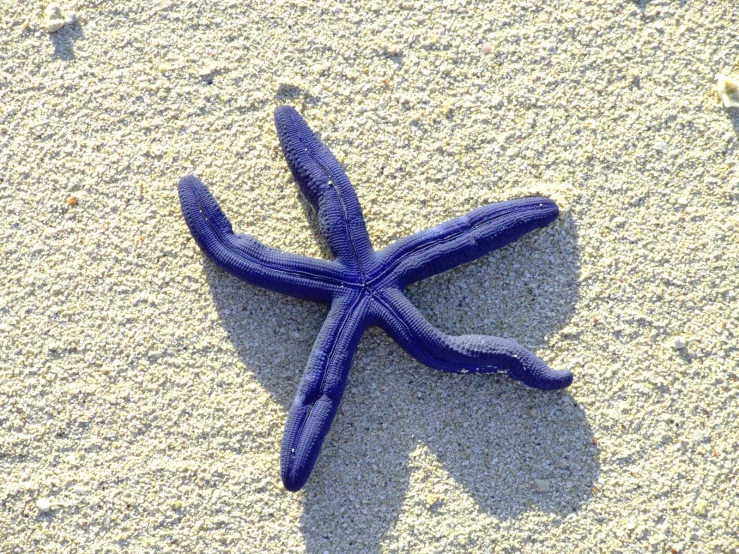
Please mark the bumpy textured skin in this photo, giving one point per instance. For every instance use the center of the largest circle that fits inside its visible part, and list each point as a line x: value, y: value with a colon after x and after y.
x: 364, y: 287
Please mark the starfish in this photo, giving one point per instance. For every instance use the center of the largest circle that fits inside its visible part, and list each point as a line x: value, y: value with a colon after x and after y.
x: 364, y: 287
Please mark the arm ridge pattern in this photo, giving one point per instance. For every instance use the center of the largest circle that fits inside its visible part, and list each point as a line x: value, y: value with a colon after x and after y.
x: 364, y: 287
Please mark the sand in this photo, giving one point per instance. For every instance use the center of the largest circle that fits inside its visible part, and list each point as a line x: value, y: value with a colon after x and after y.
x: 143, y: 391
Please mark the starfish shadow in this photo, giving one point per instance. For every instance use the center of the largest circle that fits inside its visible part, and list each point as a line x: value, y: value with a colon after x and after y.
x: 472, y: 424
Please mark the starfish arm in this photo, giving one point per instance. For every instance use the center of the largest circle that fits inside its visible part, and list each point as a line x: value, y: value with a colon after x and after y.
x: 325, y: 185
x: 321, y: 388
x: 466, y: 353
x: 463, y: 239
x: 248, y: 259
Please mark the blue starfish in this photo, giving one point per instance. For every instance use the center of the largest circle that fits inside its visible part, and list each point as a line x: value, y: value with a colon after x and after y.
x: 364, y: 287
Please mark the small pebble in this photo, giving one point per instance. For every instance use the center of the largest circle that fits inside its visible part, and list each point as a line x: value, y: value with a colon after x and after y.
x: 533, y: 412
x: 43, y: 504
x: 486, y: 49
x: 541, y: 485
x: 72, y: 201
x: 208, y: 70
x: 54, y: 18
x: 727, y: 89
x: 701, y: 508
x: 678, y: 343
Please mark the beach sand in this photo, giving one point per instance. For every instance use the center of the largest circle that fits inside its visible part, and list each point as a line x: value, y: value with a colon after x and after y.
x: 143, y: 391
